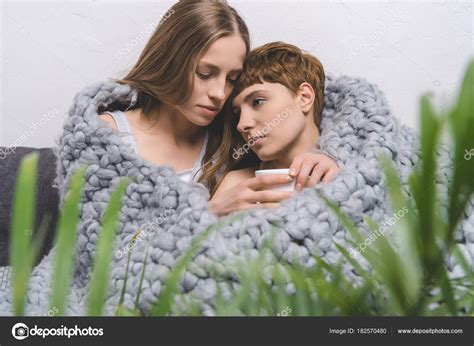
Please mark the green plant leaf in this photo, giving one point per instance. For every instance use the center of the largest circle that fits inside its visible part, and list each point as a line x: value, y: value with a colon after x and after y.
x: 21, y: 249
x: 65, y: 240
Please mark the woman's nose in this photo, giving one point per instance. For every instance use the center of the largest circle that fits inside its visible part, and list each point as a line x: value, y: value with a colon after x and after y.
x: 217, y: 91
x: 246, y: 122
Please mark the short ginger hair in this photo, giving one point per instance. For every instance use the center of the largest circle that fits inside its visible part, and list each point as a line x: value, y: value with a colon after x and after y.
x: 280, y: 62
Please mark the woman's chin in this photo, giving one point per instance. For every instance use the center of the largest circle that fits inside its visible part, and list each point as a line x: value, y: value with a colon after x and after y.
x: 200, y: 121
x: 263, y: 155
x: 267, y: 154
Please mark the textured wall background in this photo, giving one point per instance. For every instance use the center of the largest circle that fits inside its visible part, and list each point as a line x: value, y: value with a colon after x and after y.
x: 50, y: 50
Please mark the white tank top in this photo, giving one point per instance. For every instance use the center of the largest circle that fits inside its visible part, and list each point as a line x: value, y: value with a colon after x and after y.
x: 123, y: 125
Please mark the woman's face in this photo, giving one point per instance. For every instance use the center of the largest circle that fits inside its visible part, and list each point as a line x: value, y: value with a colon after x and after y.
x: 216, y: 73
x: 271, y: 119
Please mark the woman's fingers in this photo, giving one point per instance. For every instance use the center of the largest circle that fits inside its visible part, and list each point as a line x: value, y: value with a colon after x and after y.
x: 306, y: 168
x: 317, y: 174
x: 296, y: 165
x: 330, y: 175
x: 266, y: 181
x: 269, y: 196
x: 268, y: 205
x: 259, y: 205
x: 246, y: 194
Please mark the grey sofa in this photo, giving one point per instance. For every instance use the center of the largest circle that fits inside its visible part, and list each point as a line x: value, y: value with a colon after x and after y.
x: 47, y: 198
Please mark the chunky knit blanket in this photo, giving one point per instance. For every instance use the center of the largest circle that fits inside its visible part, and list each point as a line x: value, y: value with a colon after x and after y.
x: 357, y: 125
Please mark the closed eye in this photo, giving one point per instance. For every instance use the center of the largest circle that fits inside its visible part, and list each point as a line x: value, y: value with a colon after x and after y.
x: 203, y: 76
x: 232, y: 80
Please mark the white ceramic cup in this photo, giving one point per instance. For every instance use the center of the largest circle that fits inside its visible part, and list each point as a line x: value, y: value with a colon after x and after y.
x: 290, y: 186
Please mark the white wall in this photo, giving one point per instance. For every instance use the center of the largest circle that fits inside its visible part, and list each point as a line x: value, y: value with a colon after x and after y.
x: 50, y: 50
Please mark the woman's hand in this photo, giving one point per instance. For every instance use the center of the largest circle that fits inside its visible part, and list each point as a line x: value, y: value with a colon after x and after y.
x: 310, y: 168
x: 250, y: 193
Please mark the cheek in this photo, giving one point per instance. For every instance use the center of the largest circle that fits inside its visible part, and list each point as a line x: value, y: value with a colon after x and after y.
x: 185, y: 108
x: 295, y: 126
x: 197, y: 92
x: 287, y: 131
x: 281, y: 119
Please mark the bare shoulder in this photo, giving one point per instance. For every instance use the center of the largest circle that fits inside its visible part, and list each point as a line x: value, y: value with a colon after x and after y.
x: 107, y: 118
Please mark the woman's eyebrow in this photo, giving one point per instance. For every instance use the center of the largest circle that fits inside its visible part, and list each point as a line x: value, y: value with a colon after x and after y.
x: 253, y: 93
x: 216, y: 68
x: 248, y: 97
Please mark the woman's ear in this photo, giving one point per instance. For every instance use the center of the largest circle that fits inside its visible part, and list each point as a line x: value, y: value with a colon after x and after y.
x: 306, y: 95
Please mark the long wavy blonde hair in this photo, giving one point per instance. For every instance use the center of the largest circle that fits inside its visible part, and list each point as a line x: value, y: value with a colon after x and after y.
x: 164, y: 72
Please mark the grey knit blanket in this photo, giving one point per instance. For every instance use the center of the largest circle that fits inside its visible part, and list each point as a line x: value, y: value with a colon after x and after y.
x: 357, y: 125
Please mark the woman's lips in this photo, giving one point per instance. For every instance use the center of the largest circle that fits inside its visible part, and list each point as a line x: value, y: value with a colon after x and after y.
x: 209, y: 111
x: 256, y: 141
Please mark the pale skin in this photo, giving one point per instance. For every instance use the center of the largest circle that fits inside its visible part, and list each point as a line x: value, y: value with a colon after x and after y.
x: 288, y: 144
